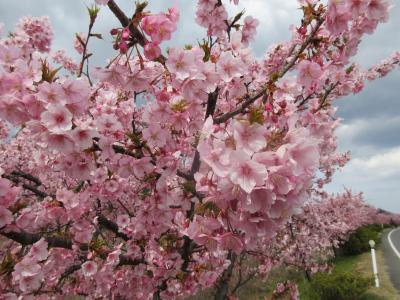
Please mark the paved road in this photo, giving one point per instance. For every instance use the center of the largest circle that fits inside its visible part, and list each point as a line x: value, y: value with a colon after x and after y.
x: 391, y: 257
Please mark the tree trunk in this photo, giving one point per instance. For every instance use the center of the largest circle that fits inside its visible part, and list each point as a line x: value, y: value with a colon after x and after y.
x: 223, y: 283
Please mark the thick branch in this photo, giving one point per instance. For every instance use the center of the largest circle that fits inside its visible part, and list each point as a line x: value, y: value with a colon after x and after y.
x: 27, y: 176
x: 211, y: 103
x: 125, y: 22
x: 223, y: 283
x: 28, y: 187
x: 126, y: 261
x: 103, y: 221
x: 123, y: 19
x: 26, y: 238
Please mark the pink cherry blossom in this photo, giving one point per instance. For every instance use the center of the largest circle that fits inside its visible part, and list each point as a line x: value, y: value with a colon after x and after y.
x: 60, y: 142
x: 249, y: 138
x: 159, y: 27
x: 229, y: 66
x: 180, y: 63
x: 155, y: 135
x: 246, y: 172
x: 123, y: 221
x: 89, y: 268
x: 57, y: 118
x: 83, y: 138
x: 6, y: 217
x: 152, y: 51
x: 309, y: 73
x: 38, y: 251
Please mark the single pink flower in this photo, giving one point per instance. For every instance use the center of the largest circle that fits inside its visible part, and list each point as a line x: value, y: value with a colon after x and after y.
x: 89, y: 268
x: 155, y: 135
x: 38, y: 251
x: 180, y: 63
x: 246, y: 172
x: 57, y: 118
x: 249, y: 138
x: 309, y: 73
x: 152, y: 51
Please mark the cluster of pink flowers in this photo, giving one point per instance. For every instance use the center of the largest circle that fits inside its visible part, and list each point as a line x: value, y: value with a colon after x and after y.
x: 309, y: 239
x: 150, y: 176
x: 122, y: 37
x: 368, y: 12
x: 285, y: 290
x: 385, y: 67
x: 159, y: 27
x: 60, y: 57
x: 8, y: 195
x: 38, y: 31
x: 212, y: 16
x: 28, y: 273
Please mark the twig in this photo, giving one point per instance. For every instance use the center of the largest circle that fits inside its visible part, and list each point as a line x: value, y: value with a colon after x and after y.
x: 225, y: 117
x: 86, y: 56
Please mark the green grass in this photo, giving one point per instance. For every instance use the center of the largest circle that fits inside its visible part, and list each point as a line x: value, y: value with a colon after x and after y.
x: 360, y: 264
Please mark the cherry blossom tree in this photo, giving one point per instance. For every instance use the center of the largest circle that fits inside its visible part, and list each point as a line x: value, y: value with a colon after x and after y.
x: 148, y: 177
x: 307, y: 242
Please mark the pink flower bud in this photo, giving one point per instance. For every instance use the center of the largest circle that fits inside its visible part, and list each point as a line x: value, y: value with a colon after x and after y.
x: 123, y: 47
x: 268, y: 107
x: 125, y: 33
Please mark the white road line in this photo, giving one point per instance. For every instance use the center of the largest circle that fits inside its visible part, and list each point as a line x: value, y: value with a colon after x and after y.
x: 391, y: 243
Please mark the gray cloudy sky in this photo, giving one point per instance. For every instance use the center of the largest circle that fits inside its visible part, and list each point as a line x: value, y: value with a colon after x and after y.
x: 371, y: 125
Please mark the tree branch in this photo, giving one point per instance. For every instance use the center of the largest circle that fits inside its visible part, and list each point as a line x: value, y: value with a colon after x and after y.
x: 26, y: 238
x: 27, y: 176
x: 242, y: 107
x: 223, y: 283
x: 126, y: 22
x: 28, y: 187
x: 106, y: 223
x: 225, y: 117
x: 211, y: 103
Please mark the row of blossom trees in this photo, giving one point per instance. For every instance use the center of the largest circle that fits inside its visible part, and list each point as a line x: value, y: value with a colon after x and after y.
x: 308, y: 241
x: 106, y: 197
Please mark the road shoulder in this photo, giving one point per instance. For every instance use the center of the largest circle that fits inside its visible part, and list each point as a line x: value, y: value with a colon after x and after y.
x: 390, y: 261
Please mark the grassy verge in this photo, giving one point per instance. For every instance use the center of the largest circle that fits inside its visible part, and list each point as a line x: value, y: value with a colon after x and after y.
x: 386, y: 291
x: 361, y: 264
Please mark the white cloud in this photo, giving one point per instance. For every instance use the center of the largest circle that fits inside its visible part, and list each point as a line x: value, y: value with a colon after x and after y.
x: 380, y: 166
x: 366, y: 136
x: 377, y: 176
